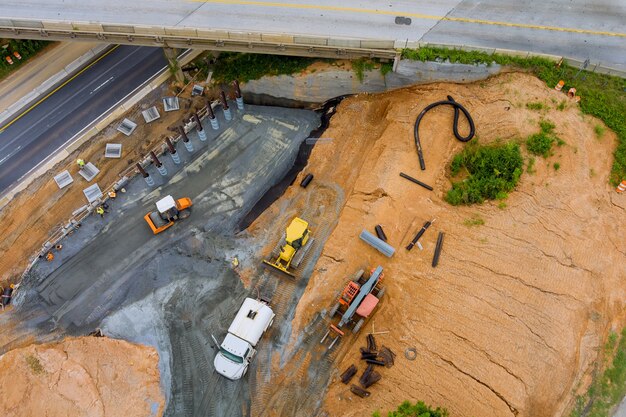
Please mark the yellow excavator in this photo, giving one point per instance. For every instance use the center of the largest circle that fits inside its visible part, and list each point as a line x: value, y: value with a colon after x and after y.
x: 290, y: 251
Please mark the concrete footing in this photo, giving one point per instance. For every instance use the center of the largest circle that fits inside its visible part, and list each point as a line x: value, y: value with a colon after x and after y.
x: 202, y: 135
x: 189, y: 146
x: 149, y: 181
x: 162, y: 170
x: 228, y: 115
x: 175, y: 158
x: 239, y: 101
x: 215, y: 124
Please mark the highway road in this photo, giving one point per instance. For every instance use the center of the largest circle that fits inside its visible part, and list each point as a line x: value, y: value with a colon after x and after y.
x: 37, y: 132
x: 574, y: 28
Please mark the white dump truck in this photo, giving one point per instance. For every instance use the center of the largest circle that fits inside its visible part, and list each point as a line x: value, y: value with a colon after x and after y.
x: 238, y: 348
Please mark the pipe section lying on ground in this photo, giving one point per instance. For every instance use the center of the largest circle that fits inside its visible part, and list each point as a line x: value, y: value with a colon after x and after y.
x: 416, y: 181
x: 381, y: 235
x: 305, y: 182
x: 455, y: 126
x: 438, y: 249
x: 377, y: 244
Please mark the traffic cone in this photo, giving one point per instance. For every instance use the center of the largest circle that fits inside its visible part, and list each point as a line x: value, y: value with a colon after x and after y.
x: 17, y: 55
x: 571, y: 93
x: 622, y: 187
x: 559, y: 86
x: 9, y: 60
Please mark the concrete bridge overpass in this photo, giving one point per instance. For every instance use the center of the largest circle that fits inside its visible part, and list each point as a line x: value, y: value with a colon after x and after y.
x: 329, y: 28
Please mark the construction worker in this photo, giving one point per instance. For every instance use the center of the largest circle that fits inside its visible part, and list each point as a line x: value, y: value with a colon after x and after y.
x: 49, y: 256
x: 80, y: 163
x: 100, y: 211
x: 112, y: 194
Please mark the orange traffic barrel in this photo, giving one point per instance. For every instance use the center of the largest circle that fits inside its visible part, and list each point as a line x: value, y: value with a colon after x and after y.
x: 9, y: 60
x: 559, y: 86
x: 622, y: 187
x: 17, y: 55
x: 571, y: 93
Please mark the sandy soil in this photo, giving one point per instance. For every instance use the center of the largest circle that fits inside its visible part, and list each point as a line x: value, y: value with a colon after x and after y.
x: 26, y: 226
x: 512, y: 319
x: 85, y: 376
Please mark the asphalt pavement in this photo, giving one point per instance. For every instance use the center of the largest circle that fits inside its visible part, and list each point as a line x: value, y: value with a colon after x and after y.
x: 35, y: 135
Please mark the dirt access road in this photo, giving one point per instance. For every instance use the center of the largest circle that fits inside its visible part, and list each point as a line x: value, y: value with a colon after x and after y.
x: 115, y: 262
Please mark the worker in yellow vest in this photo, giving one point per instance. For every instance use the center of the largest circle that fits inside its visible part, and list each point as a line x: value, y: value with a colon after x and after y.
x: 80, y: 163
x: 100, y: 211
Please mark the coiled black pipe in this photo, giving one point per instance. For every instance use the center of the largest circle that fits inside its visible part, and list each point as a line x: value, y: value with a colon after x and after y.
x: 455, y: 127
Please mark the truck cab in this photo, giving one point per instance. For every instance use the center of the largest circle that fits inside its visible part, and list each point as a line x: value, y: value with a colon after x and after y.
x: 239, y: 346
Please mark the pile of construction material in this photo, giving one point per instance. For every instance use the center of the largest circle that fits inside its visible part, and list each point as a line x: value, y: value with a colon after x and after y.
x: 373, y: 357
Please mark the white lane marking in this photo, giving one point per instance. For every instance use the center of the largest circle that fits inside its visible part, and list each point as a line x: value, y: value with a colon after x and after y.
x: 100, y: 86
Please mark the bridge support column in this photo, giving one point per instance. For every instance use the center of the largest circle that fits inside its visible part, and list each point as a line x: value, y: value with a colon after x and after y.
x: 171, y: 54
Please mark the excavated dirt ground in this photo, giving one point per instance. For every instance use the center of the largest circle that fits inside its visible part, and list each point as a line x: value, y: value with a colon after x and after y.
x: 26, y: 226
x: 512, y: 320
x: 86, y: 376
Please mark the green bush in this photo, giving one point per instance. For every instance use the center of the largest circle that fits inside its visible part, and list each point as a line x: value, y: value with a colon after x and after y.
x: 245, y: 67
x: 541, y: 143
x: 493, y: 171
x: 603, y: 96
x: 419, y: 409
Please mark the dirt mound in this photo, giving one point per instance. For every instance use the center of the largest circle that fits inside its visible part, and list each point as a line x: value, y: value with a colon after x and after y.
x: 81, y: 377
x: 511, y: 321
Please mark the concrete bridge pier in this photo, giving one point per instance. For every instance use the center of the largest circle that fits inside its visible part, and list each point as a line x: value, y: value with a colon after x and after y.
x: 171, y: 54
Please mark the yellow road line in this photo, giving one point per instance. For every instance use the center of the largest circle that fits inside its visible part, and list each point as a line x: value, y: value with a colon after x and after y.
x: 414, y: 15
x: 56, y: 89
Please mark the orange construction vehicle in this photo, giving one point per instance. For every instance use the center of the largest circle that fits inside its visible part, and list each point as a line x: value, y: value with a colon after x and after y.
x: 168, y: 211
x: 356, y: 303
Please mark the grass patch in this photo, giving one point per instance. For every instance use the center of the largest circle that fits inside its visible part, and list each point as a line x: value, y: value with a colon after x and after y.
x: 541, y: 143
x: 359, y: 66
x: 603, y: 96
x: 530, y: 168
x: 599, y: 130
x: 475, y: 220
x: 492, y: 170
x: 419, y: 409
x: 556, y: 166
x: 34, y: 364
x: 534, y: 106
x: 26, y: 48
x: 609, y: 384
x: 501, y: 205
x: 561, y: 105
x: 245, y: 67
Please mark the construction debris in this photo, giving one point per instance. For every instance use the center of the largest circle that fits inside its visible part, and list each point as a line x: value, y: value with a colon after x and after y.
x: 371, y: 343
x: 359, y: 391
x: 387, y: 356
x: 410, y: 353
x: 347, y: 375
